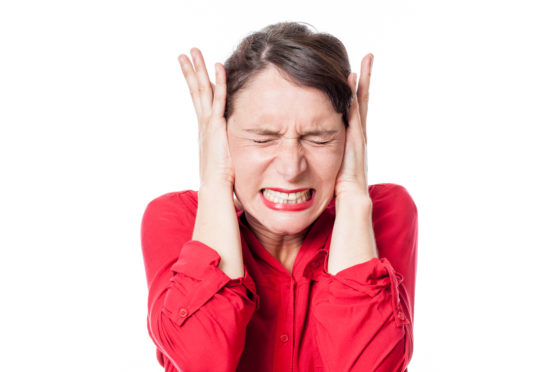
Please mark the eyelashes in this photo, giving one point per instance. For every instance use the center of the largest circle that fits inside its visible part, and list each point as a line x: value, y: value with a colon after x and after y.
x: 314, y: 142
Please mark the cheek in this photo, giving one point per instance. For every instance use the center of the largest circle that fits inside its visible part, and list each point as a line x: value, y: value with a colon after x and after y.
x: 330, y: 165
x: 337, y: 158
x: 326, y: 163
x: 245, y: 159
x: 239, y: 154
x: 248, y: 169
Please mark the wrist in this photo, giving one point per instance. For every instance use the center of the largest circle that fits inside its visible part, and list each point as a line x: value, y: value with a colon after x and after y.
x: 353, y: 202
x: 212, y: 192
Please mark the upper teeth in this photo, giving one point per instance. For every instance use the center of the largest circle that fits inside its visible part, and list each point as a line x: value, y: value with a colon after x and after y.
x: 289, y: 198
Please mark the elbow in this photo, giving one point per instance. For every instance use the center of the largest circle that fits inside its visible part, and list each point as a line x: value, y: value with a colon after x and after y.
x: 158, y: 329
x: 397, y: 354
x: 201, y: 341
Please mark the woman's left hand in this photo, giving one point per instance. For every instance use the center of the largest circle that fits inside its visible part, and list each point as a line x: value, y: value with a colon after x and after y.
x: 352, y: 177
x: 352, y: 239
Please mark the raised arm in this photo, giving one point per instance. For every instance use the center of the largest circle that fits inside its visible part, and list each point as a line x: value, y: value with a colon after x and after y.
x: 201, y: 297
x: 197, y: 315
x: 362, y: 310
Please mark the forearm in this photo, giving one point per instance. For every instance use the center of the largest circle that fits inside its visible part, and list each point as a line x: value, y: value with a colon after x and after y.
x: 352, y: 240
x: 197, y: 315
x: 369, y: 298
x: 217, y: 226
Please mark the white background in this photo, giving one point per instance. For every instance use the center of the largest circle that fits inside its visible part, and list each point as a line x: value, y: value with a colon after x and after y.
x: 96, y: 121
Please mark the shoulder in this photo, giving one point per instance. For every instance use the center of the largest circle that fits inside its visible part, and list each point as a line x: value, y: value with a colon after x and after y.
x: 176, y: 205
x: 167, y: 223
x: 176, y: 199
x: 392, y: 198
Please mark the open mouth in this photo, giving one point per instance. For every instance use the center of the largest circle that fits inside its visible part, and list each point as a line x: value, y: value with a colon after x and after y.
x: 287, y: 198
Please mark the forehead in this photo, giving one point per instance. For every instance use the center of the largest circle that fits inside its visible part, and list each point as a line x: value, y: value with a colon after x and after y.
x: 271, y: 99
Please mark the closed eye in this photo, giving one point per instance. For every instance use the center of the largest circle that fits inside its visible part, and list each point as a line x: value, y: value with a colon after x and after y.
x: 320, y: 142
x: 314, y: 142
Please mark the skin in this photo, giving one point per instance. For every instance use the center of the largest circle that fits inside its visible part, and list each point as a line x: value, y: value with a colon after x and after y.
x: 289, y: 159
x: 229, y: 158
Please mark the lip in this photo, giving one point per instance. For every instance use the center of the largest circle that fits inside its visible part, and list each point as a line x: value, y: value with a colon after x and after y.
x: 288, y: 207
x: 285, y: 190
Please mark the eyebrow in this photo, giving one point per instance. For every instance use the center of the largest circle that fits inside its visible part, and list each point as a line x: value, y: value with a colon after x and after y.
x: 269, y: 132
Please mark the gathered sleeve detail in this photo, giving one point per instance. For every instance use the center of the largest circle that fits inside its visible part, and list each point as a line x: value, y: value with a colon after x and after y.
x: 372, y: 278
x: 197, y: 278
x: 197, y: 315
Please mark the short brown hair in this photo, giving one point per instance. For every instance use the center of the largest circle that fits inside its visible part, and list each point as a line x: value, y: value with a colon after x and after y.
x: 311, y: 59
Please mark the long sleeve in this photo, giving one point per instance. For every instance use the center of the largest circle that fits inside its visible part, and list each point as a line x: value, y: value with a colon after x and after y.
x: 364, y: 314
x: 197, y: 315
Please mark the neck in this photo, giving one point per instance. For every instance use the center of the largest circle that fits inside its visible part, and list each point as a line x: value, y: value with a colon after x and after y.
x: 284, y: 247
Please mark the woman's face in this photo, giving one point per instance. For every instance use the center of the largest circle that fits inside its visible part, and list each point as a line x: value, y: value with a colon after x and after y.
x: 283, y: 136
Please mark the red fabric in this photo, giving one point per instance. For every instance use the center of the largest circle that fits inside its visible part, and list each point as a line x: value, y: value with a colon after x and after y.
x: 269, y: 320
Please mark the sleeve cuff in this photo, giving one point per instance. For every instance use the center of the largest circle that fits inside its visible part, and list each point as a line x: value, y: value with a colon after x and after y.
x: 197, y: 279
x: 372, y: 277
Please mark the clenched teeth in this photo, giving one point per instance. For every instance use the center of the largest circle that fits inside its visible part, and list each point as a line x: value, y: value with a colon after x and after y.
x: 287, y: 198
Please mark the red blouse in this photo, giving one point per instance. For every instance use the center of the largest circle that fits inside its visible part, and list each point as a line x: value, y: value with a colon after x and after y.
x: 269, y: 320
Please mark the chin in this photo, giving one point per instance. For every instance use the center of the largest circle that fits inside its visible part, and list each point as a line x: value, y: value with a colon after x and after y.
x: 287, y: 226
x: 281, y: 223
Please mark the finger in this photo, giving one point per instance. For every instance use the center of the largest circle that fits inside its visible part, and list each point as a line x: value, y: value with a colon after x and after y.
x: 192, y: 80
x: 353, y: 107
x: 354, y: 118
x: 351, y: 80
x: 204, y: 85
x: 365, y: 74
x: 220, y: 93
x: 358, y: 138
x: 363, y: 91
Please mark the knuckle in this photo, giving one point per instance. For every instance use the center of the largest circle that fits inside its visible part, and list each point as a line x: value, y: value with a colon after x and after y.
x: 186, y: 71
x: 202, y: 88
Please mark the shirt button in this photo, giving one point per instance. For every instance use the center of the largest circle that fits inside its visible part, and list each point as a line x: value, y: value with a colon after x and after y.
x: 401, y: 316
x: 183, y: 312
x: 284, y: 338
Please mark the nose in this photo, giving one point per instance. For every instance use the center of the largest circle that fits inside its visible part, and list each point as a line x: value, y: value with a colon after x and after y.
x: 290, y: 160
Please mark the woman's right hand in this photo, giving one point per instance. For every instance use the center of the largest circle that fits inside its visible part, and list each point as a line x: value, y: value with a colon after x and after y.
x: 216, y: 168
x: 216, y: 203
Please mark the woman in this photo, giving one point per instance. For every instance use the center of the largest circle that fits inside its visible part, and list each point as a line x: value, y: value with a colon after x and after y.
x: 304, y: 272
